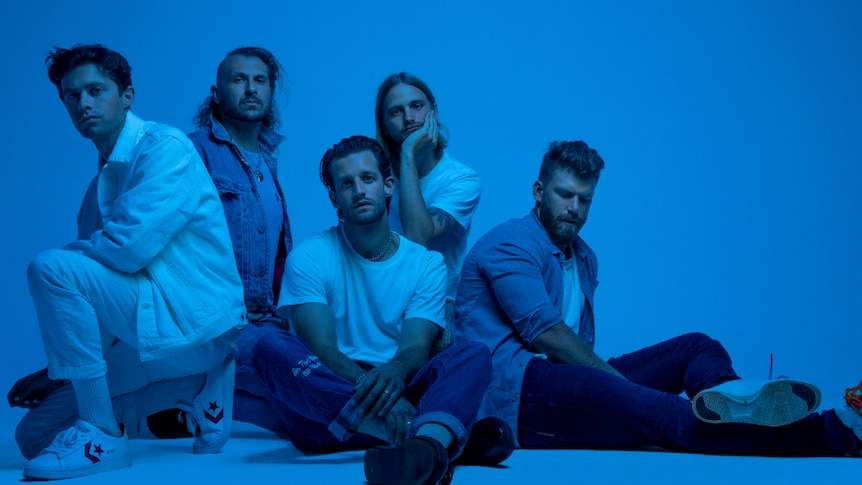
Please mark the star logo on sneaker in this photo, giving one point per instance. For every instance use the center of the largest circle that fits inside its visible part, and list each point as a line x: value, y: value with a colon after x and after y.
x: 210, y: 412
x: 97, y: 450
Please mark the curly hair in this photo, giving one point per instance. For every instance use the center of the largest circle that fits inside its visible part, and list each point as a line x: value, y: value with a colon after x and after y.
x: 60, y: 61
x: 210, y: 108
x: 576, y: 156
x: 348, y: 146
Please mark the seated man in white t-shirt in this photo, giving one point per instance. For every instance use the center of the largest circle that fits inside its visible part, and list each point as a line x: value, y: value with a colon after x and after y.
x: 366, y: 305
x: 435, y: 196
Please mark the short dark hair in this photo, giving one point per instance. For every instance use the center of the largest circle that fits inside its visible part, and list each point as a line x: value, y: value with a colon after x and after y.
x: 575, y: 156
x: 272, y: 121
x: 60, y: 61
x: 348, y: 146
x: 393, y: 147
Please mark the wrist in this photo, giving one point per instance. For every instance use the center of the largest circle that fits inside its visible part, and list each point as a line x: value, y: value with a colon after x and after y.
x: 401, y: 366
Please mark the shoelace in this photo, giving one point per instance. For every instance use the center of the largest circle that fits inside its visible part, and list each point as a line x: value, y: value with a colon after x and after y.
x: 770, y: 369
x: 66, y: 440
x: 188, y: 420
x: 853, y: 396
x: 186, y: 416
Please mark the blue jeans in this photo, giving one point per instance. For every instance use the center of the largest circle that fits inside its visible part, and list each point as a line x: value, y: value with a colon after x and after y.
x: 570, y: 406
x: 250, y: 404
x: 314, y: 402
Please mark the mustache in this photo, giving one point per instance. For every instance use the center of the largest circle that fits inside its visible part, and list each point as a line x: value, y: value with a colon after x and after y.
x: 574, y: 220
x: 410, y: 129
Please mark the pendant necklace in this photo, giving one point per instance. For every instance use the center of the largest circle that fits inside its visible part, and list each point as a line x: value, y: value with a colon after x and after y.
x: 258, y: 174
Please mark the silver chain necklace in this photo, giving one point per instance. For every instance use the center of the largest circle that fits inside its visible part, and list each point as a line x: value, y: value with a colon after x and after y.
x: 258, y: 174
x: 382, y: 252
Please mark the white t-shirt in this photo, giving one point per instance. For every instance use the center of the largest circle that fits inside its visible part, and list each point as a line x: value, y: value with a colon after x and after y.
x: 573, y: 297
x: 454, y: 188
x: 369, y: 301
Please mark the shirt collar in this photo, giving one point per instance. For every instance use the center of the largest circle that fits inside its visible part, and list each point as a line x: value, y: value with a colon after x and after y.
x: 268, y: 139
x: 127, y: 139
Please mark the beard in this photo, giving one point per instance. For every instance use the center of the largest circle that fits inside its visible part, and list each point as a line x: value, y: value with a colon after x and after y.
x: 561, y: 233
x: 248, y: 116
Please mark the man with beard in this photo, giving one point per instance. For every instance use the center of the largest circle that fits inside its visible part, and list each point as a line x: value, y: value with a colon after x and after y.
x: 238, y: 144
x: 435, y: 196
x: 366, y: 305
x: 527, y: 293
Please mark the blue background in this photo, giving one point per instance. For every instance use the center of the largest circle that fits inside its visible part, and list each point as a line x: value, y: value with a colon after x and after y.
x: 731, y: 132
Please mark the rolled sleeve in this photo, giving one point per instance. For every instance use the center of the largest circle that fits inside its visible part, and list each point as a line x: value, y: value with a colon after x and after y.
x: 517, y: 279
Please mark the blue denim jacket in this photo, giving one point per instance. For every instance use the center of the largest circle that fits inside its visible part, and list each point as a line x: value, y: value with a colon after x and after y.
x: 511, y: 291
x: 246, y: 216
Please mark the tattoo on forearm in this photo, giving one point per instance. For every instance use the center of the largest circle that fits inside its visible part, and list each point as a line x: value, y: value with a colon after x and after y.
x: 442, y: 218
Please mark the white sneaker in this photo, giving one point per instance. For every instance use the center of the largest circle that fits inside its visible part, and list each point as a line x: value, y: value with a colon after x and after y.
x: 212, y: 409
x: 851, y: 412
x: 770, y: 403
x: 79, y: 451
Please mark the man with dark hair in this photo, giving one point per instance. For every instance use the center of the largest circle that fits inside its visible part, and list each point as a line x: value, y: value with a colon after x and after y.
x: 366, y: 305
x: 238, y: 145
x: 435, y: 196
x: 146, y: 304
x: 527, y: 293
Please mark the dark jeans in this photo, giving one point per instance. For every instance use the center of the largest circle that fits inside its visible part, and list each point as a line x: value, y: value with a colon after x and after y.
x: 571, y: 406
x: 250, y: 404
x: 313, y: 402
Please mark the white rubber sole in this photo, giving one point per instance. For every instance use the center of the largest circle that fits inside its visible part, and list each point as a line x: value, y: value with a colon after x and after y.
x: 775, y: 403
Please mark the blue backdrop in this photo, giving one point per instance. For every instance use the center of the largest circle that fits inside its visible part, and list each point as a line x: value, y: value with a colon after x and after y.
x: 731, y: 132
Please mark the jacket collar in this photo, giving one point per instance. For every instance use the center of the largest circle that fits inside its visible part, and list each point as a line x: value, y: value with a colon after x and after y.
x: 128, y: 139
x: 268, y: 139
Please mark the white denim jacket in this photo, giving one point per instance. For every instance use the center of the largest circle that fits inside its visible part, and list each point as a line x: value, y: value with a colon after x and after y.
x: 162, y: 220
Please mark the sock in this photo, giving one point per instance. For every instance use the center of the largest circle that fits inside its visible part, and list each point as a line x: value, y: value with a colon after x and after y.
x: 437, y: 432
x: 94, y: 404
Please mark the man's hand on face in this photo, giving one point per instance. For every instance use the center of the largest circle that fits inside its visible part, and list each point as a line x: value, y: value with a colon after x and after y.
x: 424, y: 140
x: 380, y: 389
x: 29, y: 391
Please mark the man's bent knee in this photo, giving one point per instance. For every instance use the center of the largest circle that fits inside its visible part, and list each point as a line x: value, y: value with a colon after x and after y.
x: 37, y: 430
x: 44, y: 264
